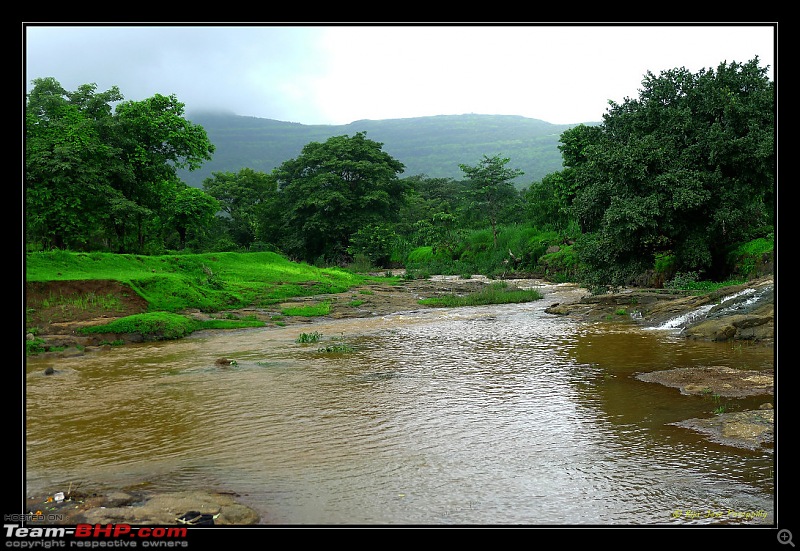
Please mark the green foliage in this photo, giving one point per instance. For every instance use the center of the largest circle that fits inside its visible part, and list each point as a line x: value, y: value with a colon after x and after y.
x: 96, y: 180
x: 210, y: 282
x: 546, y: 203
x: 304, y: 338
x: 333, y: 190
x: 314, y: 310
x: 490, y: 189
x: 682, y: 280
x: 86, y: 301
x: 518, y: 250
x: 376, y: 242
x: 427, y: 145
x: 192, y: 210
x: 497, y: 292
x: 690, y: 281
x: 664, y: 263
x: 420, y: 255
x: 152, y: 326
x: 337, y: 346
x: 560, y: 266
x: 750, y: 259
x: 688, y: 168
x: 35, y: 346
x: 361, y: 264
x: 249, y: 206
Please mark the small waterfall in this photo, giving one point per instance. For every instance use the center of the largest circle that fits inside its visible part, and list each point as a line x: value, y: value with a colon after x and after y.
x: 739, y: 302
x: 682, y: 321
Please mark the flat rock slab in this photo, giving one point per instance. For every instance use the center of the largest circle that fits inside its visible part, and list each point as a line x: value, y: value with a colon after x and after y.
x: 750, y: 429
x: 719, y: 380
x: 743, y: 429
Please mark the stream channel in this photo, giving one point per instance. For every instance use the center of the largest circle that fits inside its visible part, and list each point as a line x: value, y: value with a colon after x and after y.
x: 490, y: 415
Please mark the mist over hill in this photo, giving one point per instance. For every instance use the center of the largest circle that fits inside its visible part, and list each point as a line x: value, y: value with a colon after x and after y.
x: 433, y: 146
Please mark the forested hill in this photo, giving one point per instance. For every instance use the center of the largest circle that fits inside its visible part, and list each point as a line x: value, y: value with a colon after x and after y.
x: 433, y: 146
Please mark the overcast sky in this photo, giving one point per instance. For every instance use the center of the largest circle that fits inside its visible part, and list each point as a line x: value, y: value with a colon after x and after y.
x: 339, y: 74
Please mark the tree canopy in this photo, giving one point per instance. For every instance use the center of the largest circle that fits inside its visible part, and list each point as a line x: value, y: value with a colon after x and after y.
x: 687, y: 169
x: 93, y: 175
x: 491, y: 190
x: 332, y: 190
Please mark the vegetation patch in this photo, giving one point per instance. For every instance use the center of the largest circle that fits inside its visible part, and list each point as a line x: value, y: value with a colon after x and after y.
x: 211, y: 282
x: 154, y: 326
x: 494, y: 293
x: 305, y: 338
x: 336, y: 346
x: 312, y: 311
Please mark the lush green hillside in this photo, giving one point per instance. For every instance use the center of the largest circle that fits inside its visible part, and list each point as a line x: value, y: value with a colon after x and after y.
x: 206, y: 281
x: 433, y: 146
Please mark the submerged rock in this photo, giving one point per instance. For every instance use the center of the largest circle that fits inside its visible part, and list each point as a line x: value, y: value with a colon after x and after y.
x: 750, y: 429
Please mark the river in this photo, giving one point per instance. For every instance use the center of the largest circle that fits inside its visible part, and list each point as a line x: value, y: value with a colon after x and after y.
x: 494, y: 415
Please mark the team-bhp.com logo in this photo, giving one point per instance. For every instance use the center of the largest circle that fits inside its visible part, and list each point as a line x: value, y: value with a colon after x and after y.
x: 95, y: 536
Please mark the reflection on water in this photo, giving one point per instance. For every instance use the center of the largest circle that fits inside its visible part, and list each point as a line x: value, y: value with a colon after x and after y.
x: 486, y: 415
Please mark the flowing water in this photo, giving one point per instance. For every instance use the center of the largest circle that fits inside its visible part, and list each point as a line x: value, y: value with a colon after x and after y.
x: 479, y: 415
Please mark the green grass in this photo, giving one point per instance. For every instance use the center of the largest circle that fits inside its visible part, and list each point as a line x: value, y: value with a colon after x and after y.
x: 311, y: 311
x: 211, y: 282
x: 155, y: 326
x: 304, y: 338
x: 336, y: 346
x: 493, y: 293
x: 83, y: 302
x: 166, y: 325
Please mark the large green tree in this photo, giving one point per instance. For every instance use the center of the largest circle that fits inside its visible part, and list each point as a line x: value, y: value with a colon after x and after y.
x: 155, y: 141
x: 68, y: 163
x: 331, y: 191
x: 101, y: 179
x: 490, y: 189
x: 686, y: 169
x: 192, y: 210
x: 247, y: 201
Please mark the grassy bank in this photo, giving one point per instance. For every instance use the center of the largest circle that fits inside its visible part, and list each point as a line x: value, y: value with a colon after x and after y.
x: 211, y: 282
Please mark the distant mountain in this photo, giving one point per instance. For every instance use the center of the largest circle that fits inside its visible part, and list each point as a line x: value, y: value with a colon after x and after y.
x: 433, y: 146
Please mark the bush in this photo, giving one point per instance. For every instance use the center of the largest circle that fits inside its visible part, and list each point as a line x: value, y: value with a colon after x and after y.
x: 154, y: 326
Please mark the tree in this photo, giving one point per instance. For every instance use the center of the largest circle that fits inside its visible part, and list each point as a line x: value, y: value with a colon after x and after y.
x: 687, y: 169
x: 332, y: 190
x: 491, y: 189
x: 155, y: 141
x: 67, y: 164
x: 94, y: 179
x: 244, y: 198
x: 192, y: 209
x: 545, y: 207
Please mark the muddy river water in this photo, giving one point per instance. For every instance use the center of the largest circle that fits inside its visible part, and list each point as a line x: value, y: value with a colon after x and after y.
x: 476, y: 415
